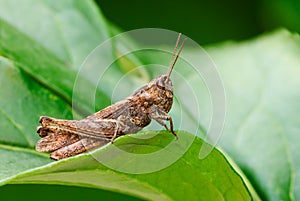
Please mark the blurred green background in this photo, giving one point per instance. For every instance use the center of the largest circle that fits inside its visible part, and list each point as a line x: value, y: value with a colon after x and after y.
x: 207, y: 22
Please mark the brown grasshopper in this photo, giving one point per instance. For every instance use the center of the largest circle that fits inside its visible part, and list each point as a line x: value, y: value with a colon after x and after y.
x: 66, y: 138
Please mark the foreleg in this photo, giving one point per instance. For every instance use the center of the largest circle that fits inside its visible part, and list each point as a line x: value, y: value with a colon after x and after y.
x: 161, y: 118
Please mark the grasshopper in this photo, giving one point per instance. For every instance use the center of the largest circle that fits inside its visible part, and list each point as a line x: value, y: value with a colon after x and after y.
x: 66, y: 138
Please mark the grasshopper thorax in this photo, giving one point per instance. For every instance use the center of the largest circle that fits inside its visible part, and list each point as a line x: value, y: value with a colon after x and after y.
x: 161, y: 91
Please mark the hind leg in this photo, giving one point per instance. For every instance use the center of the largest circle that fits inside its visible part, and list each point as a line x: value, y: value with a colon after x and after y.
x: 83, y: 145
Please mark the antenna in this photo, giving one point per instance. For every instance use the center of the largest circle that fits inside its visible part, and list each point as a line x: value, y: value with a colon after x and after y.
x: 173, y: 61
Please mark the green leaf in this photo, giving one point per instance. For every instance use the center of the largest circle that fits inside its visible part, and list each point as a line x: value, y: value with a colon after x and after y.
x: 267, y: 123
x: 261, y: 134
